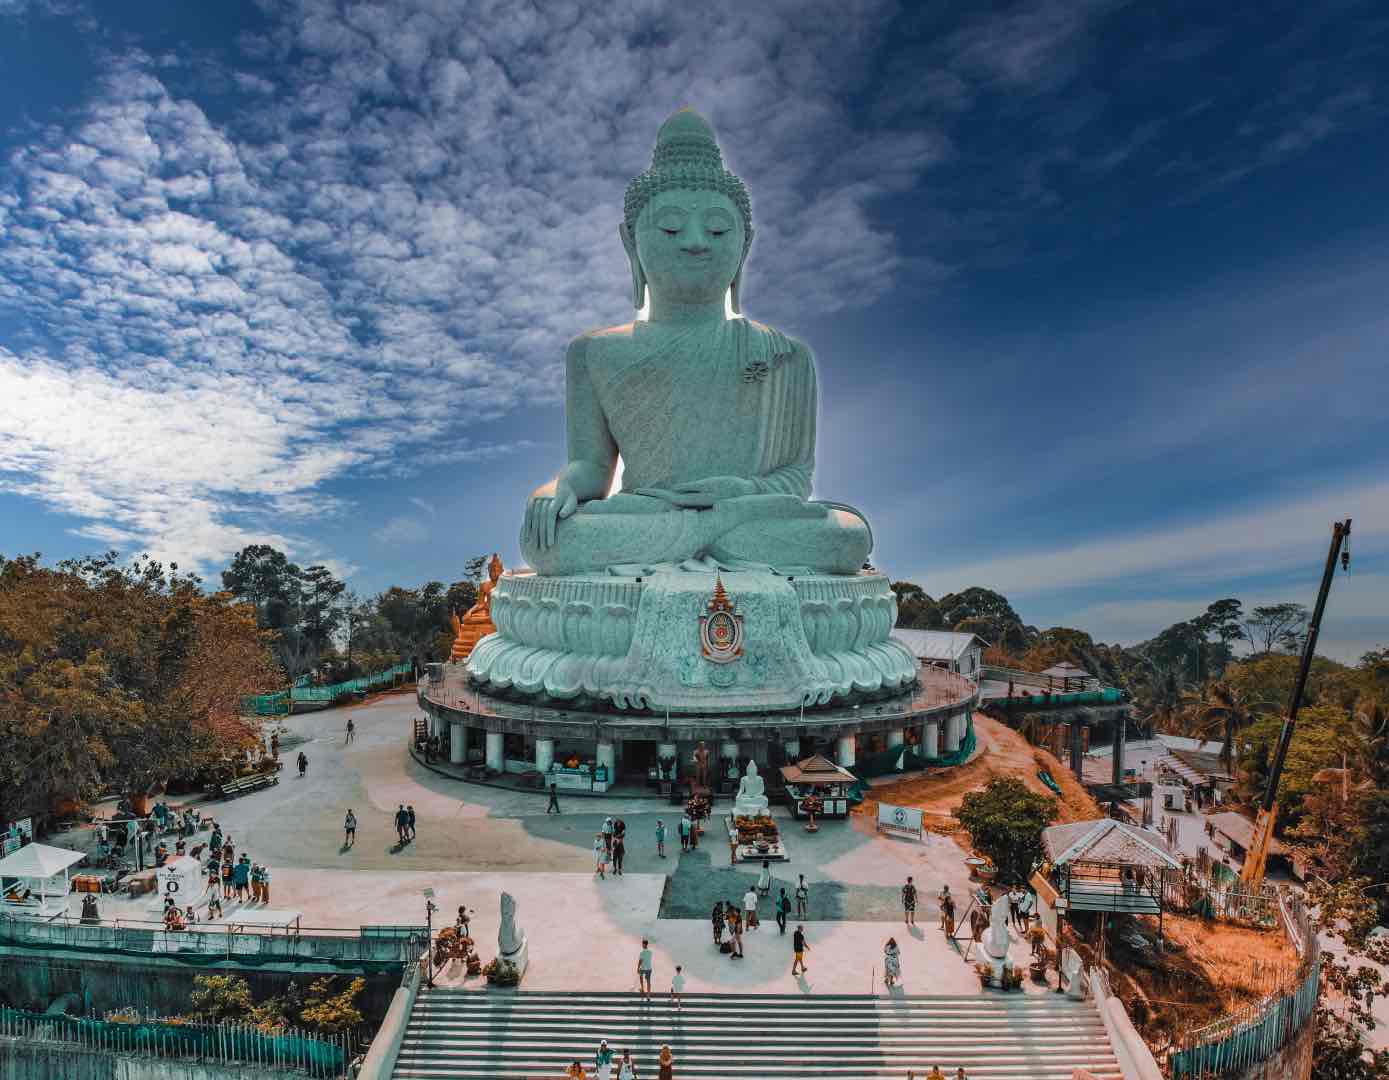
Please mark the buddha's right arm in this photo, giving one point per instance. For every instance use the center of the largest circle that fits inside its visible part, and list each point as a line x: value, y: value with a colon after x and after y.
x: 592, y: 449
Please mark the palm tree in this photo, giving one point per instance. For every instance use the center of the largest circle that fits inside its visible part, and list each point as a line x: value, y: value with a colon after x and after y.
x: 1221, y: 707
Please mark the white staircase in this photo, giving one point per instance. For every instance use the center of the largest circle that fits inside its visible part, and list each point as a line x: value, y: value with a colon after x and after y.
x: 509, y: 1036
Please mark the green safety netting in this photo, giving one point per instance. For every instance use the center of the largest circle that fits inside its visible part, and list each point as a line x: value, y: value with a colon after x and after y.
x: 319, y: 1057
x: 900, y: 759
x: 275, y: 704
x: 1107, y: 696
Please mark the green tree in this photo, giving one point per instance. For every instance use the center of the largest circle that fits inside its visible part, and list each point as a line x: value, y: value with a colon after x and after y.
x: 1005, y: 823
x: 986, y: 613
x: 915, y: 608
x: 1275, y: 626
x: 216, y: 998
x: 331, y: 1009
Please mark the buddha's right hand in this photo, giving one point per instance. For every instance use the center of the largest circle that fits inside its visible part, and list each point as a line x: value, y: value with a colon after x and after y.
x: 547, y: 507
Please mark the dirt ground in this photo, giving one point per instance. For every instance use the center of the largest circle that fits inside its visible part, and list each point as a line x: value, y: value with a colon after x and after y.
x: 1002, y: 752
x: 1212, y: 970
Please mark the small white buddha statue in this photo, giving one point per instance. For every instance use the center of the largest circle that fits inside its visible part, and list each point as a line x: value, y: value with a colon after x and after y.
x: 751, y: 800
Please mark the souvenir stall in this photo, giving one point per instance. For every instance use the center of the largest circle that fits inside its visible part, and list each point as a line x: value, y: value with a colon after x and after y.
x: 817, y: 786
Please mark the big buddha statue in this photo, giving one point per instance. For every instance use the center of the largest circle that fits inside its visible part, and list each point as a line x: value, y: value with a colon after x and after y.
x: 714, y: 419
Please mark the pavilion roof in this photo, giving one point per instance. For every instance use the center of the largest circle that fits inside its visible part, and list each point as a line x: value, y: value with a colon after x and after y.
x: 1108, y: 841
x: 816, y: 769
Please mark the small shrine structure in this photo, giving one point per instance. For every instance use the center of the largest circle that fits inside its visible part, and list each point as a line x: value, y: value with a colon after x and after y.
x: 820, y: 779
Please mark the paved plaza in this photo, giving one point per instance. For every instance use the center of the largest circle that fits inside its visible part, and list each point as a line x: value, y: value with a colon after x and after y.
x: 473, y: 842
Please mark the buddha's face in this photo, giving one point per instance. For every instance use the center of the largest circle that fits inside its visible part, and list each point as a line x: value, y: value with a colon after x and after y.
x: 690, y: 244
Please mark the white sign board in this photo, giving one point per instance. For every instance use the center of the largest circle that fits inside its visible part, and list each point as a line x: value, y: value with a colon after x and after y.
x: 905, y: 820
x: 180, y: 880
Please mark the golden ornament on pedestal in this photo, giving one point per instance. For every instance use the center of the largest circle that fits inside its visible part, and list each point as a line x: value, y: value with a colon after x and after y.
x: 477, y: 623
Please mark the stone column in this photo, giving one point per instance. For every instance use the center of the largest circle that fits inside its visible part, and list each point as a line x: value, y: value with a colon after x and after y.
x: 458, y: 737
x: 793, y: 749
x: 544, y: 754
x: 607, y: 755
x: 896, y: 737
x: 495, y: 758
x: 930, y: 739
x: 844, y: 751
x: 952, y: 734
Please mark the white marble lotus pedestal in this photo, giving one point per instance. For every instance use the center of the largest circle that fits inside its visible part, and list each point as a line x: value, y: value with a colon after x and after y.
x: 634, y: 641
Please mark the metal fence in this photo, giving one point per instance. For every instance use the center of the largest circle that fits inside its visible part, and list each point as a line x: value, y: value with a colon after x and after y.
x: 288, y: 1049
x: 276, y: 704
x: 364, y: 945
x: 1256, y: 1033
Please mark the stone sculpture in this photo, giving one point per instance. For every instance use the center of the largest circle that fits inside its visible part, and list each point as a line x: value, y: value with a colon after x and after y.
x: 701, y: 764
x: 996, y: 940
x: 752, y: 799
x: 715, y: 421
x: 511, y: 943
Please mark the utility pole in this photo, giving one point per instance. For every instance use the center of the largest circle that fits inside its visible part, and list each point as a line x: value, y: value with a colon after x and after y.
x: 1253, y: 872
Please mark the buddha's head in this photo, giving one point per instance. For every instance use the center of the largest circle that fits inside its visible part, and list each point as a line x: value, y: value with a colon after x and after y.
x: 687, y: 224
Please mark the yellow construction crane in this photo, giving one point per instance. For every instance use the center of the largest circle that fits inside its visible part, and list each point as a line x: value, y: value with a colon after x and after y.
x: 1252, y: 874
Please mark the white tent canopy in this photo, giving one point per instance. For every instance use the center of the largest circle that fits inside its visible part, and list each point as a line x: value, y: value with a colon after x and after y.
x: 42, y: 866
x: 39, y: 861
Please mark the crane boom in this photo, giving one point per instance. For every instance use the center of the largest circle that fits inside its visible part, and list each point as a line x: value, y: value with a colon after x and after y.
x: 1252, y: 873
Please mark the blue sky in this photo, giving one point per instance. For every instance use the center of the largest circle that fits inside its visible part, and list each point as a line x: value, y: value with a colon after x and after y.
x: 1097, y: 289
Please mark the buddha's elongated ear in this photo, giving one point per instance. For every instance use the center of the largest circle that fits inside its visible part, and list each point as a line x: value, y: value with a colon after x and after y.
x: 629, y: 244
x: 735, y: 300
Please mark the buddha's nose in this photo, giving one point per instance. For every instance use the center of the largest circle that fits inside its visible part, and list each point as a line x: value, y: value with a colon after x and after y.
x: 695, y: 247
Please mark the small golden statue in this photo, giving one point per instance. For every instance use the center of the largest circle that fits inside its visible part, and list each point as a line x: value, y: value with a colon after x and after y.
x: 477, y: 623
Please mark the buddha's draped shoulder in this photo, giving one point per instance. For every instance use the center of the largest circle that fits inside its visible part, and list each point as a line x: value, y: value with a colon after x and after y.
x: 731, y: 398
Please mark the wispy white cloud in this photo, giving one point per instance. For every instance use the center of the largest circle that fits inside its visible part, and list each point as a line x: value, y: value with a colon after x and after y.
x: 1243, y: 544
x: 402, y: 531
x: 220, y: 316
x: 424, y: 504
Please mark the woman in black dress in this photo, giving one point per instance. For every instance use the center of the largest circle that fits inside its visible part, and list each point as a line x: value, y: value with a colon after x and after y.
x: 716, y: 917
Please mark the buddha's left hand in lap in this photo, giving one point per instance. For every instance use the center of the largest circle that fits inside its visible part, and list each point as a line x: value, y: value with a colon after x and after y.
x: 718, y: 487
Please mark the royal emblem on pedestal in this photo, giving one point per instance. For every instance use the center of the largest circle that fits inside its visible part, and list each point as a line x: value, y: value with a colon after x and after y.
x: 721, y: 628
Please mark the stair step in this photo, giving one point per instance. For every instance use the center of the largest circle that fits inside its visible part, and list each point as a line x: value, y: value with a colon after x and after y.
x: 469, y: 1035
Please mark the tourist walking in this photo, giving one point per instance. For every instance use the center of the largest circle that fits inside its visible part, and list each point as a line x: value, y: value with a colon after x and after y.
x: 575, y: 1072
x: 685, y: 832
x: 717, y: 918
x: 303, y: 764
x: 735, y: 923
x: 783, y: 908
x: 802, y: 899
x: 228, y: 888
x: 351, y: 729
x: 1029, y: 901
x: 608, y: 833
x: 946, y: 901
x: 660, y: 838
x: 600, y: 855
x: 799, y: 947
x: 677, y: 986
x: 241, y: 876
x: 619, y: 853
x: 892, y: 963
x: 909, y: 903
x: 644, y: 960
x: 401, y: 821
x: 349, y: 828
x: 764, y: 879
x: 410, y: 820
x: 1015, y: 907
x: 627, y: 1070
x: 214, y: 876
x: 552, y: 807
x: 750, y: 908
x: 462, y: 922
x: 665, y: 1064
x: 603, y: 1061
x: 214, y: 908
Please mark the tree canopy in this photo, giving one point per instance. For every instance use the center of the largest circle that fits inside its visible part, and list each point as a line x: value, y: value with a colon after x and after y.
x: 1005, y: 823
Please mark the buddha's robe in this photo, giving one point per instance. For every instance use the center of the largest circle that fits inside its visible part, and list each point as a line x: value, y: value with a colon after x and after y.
x: 727, y: 399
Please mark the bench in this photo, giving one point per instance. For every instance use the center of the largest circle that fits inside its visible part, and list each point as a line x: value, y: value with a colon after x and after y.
x: 244, y: 784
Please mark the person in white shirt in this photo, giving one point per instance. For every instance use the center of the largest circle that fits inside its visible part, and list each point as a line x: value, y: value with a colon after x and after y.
x: 677, y: 986
x: 750, y: 909
x: 644, y: 969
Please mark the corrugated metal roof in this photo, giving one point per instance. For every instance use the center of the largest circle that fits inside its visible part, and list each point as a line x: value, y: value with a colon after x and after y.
x: 1241, y: 830
x: 938, y: 644
x: 1067, y: 671
x: 1107, y: 841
